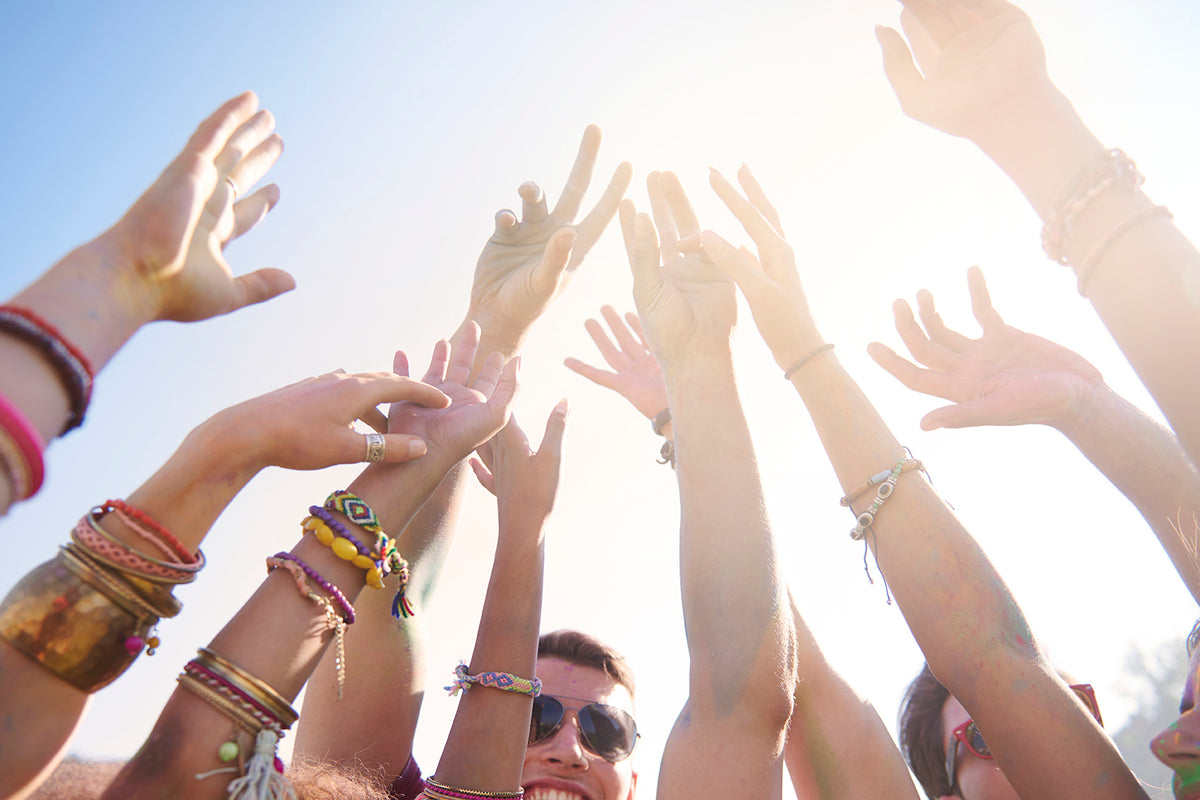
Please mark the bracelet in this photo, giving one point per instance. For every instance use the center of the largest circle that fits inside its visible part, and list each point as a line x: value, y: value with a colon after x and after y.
x: 804, y: 359
x: 355, y: 508
x: 21, y: 450
x: 329, y: 588
x: 344, y: 544
x: 496, y: 680
x: 660, y: 421
x: 667, y: 454
x: 879, y: 477
x: 1113, y: 168
x: 250, y: 686
x: 158, y: 605
x: 1088, y: 265
x: 867, y: 518
x: 150, y: 529
x: 438, y: 790
x: 68, y: 361
x: 60, y: 616
x: 333, y: 620
x: 93, y: 521
x: 115, y: 555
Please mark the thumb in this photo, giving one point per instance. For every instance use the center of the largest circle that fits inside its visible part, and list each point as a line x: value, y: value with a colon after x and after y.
x: 557, y: 255
x: 899, y: 67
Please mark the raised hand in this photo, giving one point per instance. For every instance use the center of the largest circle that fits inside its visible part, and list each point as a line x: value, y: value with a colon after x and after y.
x: 173, y: 237
x: 1005, y: 377
x: 770, y: 280
x: 523, y: 481
x: 976, y: 59
x: 308, y: 425
x: 686, y: 306
x: 637, y: 376
x: 477, y: 409
x: 527, y: 262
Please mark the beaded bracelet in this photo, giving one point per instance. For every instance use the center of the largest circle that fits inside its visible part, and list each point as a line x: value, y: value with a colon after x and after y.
x: 343, y: 543
x: 660, y: 421
x: 333, y: 620
x: 867, y: 518
x: 438, y: 790
x: 329, y: 588
x: 879, y: 477
x: 496, y: 680
x: 22, y: 451
x: 151, y: 530
x: 69, y: 362
x: 1114, y: 168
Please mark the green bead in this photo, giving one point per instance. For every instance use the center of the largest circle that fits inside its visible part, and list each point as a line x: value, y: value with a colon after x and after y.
x: 228, y: 751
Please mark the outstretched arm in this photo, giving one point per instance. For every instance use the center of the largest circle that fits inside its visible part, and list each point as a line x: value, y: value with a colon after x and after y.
x: 741, y: 676
x: 1010, y: 377
x: 302, y: 426
x: 980, y: 73
x: 185, y: 740
x: 162, y: 260
x: 525, y: 264
x: 973, y: 634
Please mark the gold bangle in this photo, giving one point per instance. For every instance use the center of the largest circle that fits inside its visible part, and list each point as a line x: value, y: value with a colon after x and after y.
x: 230, y: 709
x: 62, y: 617
x: 257, y: 688
x: 121, y: 591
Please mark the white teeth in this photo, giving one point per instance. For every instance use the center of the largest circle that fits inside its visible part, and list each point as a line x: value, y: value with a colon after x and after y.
x: 551, y: 794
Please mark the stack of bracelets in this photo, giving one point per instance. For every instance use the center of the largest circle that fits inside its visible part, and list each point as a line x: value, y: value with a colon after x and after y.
x: 435, y: 790
x: 886, y: 480
x: 257, y: 711
x: 1113, y: 170
x: 21, y: 445
x: 87, y: 614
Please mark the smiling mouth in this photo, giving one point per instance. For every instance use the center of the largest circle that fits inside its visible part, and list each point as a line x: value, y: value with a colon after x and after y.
x: 539, y: 793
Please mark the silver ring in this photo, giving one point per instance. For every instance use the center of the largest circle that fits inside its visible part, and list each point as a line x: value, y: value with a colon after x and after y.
x: 375, y: 447
x: 233, y: 186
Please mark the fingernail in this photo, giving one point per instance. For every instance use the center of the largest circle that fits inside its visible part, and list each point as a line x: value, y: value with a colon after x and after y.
x: 417, y: 448
x: 561, y: 408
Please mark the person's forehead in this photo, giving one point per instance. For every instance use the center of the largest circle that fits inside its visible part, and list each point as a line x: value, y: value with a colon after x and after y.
x: 566, y: 679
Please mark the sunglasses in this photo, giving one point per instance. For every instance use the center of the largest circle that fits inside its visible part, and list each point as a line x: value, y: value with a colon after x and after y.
x: 606, y: 731
x: 968, y: 734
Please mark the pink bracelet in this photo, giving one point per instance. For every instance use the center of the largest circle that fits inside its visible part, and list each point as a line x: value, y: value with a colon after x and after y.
x: 28, y: 444
x: 151, y: 530
x: 87, y: 535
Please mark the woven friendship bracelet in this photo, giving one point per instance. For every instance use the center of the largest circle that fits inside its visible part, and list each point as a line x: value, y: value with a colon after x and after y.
x: 151, y: 530
x: 355, y: 508
x: 249, y: 705
x: 496, y: 680
x: 253, y: 687
x: 93, y: 520
x: 124, y: 559
x: 384, y: 560
x: 72, y: 366
x: 435, y: 789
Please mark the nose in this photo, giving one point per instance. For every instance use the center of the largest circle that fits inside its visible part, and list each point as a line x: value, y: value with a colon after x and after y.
x: 565, y: 748
x: 1178, y: 746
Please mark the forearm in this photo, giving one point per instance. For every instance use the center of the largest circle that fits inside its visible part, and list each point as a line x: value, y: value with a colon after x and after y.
x: 1145, y: 462
x: 486, y: 746
x: 728, y: 564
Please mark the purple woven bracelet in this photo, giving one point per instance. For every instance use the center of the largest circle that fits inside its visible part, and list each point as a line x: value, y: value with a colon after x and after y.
x: 333, y: 591
x: 340, y: 529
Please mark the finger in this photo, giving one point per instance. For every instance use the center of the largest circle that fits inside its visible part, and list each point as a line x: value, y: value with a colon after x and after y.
x: 604, y: 344
x: 462, y: 354
x: 533, y: 202
x: 552, y: 439
x: 936, y: 25
x: 627, y: 213
x: 591, y: 226
x: 757, y: 197
x: 901, y: 71
x: 212, y: 134
x: 257, y: 163
x: 660, y: 207
x: 923, y: 350
x: 981, y: 301
x: 489, y: 374
x: 681, y: 208
x: 629, y: 345
x: 439, y: 362
x: 245, y: 139
x: 400, y: 364
x: 555, y: 257
x: 925, y: 381
x: 512, y: 437
x: 486, y: 479
x: 375, y: 419
x: 506, y: 387
x: 600, y: 377
x: 251, y: 210
x: 260, y: 286
x: 766, y: 237
x: 581, y: 175
x: 635, y: 324
x: 385, y: 387
x: 506, y: 222
x: 351, y: 447
x: 728, y: 259
x: 643, y: 255
x: 931, y: 320
x: 987, y: 410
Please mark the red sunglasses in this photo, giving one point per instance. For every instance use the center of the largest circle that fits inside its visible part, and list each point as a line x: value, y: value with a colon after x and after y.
x: 968, y: 734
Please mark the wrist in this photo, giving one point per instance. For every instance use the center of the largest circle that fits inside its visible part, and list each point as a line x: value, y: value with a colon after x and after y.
x: 1088, y: 409
x: 497, y: 335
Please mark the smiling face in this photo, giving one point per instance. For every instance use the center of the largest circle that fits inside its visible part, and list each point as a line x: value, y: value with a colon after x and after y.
x: 559, y: 767
x: 978, y: 778
x: 1179, y: 745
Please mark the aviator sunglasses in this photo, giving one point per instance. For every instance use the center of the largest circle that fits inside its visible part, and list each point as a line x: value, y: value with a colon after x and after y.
x: 606, y: 731
x: 968, y: 734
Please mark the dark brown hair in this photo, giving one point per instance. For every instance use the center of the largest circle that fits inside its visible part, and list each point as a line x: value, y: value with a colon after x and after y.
x: 921, y: 737
x: 587, y: 651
